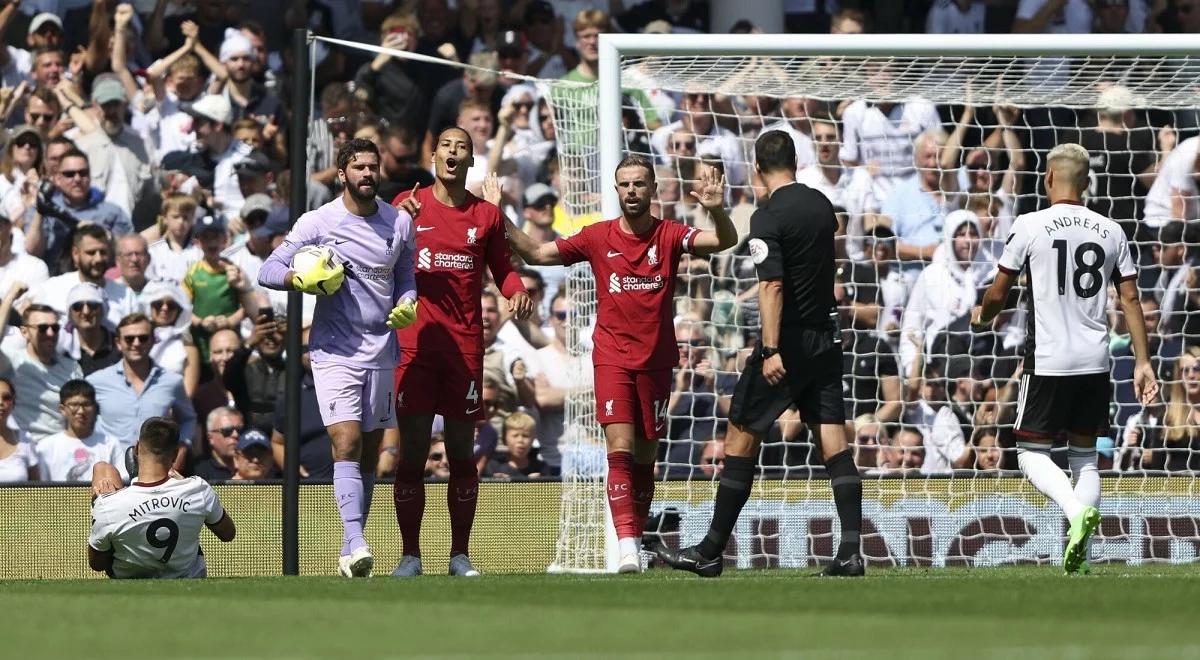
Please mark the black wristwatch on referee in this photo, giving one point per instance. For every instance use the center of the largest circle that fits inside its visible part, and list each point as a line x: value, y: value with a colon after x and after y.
x: 768, y: 351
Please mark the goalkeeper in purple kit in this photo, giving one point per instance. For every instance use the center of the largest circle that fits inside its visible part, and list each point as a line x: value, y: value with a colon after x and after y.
x: 365, y: 291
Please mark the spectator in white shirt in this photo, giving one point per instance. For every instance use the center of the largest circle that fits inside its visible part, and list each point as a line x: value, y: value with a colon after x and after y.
x: 881, y: 135
x: 177, y: 250
x: 71, y: 454
x: 797, y: 123
x: 18, y: 459
x: 91, y: 253
x: 36, y: 368
x: 133, y: 260
x: 942, y: 298
x: 827, y: 174
x: 213, y: 118
x: 945, y: 445
x: 1174, y: 195
x: 697, y: 118
x: 18, y: 265
x: 552, y: 379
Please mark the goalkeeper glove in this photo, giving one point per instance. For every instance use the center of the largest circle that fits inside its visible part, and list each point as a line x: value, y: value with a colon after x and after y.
x: 320, y: 279
x: 403, y: 314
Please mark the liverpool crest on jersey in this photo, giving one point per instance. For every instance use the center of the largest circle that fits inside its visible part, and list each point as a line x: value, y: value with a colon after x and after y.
x: 471, y: 239
x: 652, y: 255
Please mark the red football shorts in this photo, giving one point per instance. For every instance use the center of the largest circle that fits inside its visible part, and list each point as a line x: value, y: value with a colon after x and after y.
x: 635, y: 397
x: 442, y: 383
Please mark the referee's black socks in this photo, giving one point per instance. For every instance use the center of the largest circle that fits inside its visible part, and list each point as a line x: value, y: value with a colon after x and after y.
x: 732, y: 492
x: 847, y: 497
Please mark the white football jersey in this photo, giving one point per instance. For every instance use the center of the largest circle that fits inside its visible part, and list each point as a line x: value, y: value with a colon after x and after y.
x: 154, y: 529
x: 1072, y: 255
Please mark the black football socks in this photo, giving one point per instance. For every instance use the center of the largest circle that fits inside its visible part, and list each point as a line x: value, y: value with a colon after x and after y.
x: 732, y: 492
x: 847, y: 497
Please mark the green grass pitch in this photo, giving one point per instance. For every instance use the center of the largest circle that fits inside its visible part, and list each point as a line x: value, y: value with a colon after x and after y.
x: 1016, y: 612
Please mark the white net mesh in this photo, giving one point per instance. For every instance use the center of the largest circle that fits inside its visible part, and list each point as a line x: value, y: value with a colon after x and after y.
x: 996, y: 118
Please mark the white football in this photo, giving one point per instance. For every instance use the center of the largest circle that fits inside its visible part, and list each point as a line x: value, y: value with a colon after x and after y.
x: 309, y: 256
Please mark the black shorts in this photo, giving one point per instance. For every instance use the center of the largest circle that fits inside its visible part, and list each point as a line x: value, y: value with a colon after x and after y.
x: 813, y: 383
x: 1049, y: 405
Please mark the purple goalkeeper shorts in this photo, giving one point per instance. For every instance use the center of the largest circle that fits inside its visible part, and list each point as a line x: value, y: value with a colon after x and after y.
x: 355, y: 394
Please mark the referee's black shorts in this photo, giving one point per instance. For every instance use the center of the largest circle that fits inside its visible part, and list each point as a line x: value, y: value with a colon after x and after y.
x: 813, y: 383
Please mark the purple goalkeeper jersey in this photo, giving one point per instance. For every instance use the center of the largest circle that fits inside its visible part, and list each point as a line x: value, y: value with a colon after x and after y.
x: 350, y: 326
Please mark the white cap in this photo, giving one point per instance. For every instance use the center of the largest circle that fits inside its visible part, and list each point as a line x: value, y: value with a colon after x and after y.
x: 213, y: 106
x: 42, y: 19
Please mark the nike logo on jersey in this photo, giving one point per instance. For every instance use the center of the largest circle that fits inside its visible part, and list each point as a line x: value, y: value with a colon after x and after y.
x: 339, y: 241
x: 473, y: 411
x: 612, y: 254
x: 420, y: 228
x: 618, y: 497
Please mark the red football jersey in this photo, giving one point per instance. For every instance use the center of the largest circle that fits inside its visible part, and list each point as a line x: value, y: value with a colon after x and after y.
x: 453, y: 245
x: 635, y: 286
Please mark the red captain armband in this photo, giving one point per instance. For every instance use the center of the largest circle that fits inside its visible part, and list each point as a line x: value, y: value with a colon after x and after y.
x: 512, y: 285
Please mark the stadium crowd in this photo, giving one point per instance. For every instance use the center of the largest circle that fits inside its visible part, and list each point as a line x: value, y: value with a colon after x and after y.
x: 144, y: 178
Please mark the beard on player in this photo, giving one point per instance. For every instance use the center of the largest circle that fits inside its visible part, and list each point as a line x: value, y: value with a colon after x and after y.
x: 452, y: 158
x: 362, y: 177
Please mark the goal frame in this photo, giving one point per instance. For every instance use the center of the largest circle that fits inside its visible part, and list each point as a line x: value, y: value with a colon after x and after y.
x: 614, y: 46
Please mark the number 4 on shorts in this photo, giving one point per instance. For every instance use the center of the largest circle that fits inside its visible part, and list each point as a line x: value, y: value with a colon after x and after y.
x: 472, y: 393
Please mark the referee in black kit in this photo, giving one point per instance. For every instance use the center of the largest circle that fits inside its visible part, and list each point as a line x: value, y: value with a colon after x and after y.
x: 799, y: 360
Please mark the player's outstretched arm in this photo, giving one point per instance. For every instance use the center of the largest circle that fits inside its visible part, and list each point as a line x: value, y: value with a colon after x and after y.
x: 532, y: 252
x: 1145, y: 384
x: 710, y: 193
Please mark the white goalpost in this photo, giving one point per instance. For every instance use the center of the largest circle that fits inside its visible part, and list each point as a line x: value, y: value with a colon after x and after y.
x: 1039, y: 88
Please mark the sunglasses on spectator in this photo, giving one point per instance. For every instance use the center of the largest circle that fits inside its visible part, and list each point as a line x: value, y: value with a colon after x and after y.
x: 72, y: 174
x: 228, y: 431
x: 25, y: 142
x: 78, y: 406
x: 38, y: 117
x: 131, y: 340
x: 679, y: 146
x: 168, y: 305
x: 44, y: 328
x: 523, y: 105
x: 866, y: 439
x: 436, y: 456
x: 697, y: 342
x: 7, y: 397
x: 84, y: 304
x: 489, y: 403
x: 534, y: 290
x: 561, y: 316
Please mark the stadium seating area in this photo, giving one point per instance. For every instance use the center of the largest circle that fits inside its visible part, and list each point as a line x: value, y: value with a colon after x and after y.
x: 165, y: 124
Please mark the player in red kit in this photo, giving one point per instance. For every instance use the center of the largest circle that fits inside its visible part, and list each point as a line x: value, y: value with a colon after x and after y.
x: 441, y: 354
x: 635, y: 259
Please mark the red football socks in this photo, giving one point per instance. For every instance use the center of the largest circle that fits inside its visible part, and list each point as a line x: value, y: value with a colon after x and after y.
x: 643, y: 493
x: 620, y: 495
x: 461, y: 497
x: 408, y: 494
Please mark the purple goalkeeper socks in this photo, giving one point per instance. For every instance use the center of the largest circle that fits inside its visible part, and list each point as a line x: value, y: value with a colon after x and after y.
x: 348, y: 490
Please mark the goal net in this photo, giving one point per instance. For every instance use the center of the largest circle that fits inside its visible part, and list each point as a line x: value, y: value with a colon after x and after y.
x: 906, y: 136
